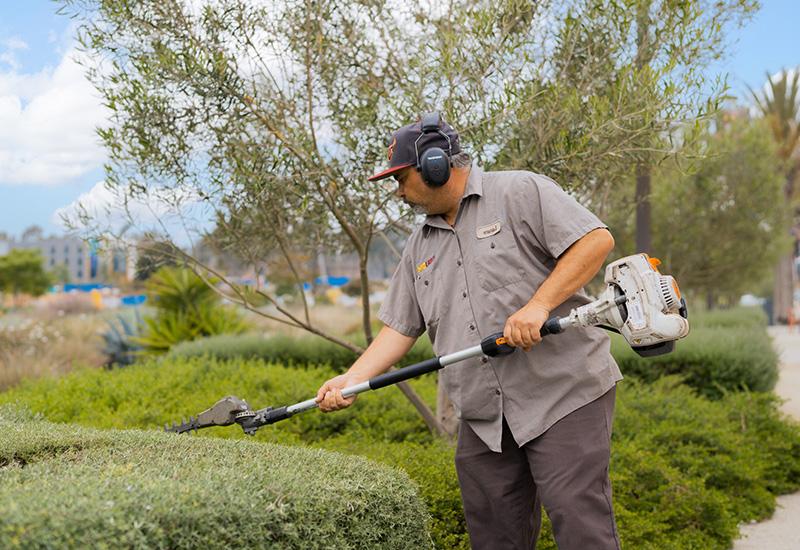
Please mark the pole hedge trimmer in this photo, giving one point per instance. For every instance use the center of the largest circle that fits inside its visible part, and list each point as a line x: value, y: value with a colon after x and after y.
x: 639, y: 303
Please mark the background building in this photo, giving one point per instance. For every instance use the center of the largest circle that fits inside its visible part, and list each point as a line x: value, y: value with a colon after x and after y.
x: 73, y: 260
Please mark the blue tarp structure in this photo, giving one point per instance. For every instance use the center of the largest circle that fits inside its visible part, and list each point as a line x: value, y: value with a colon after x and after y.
x: 332, y: 281
x: 84, y: 287
x: 133, y: 300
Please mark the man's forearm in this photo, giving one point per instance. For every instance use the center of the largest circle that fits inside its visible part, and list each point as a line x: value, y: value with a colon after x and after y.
x: 574, y: 269
x: 387, y: 349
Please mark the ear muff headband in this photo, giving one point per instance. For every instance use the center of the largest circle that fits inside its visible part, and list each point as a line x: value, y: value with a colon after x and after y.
x: 434, y: 165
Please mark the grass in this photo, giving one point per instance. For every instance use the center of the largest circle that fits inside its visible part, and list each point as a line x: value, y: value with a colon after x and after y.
x: 35, y: 347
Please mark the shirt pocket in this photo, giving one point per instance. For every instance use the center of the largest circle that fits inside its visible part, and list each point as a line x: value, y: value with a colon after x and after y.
x: 430, y: 297
x: 499, y: 261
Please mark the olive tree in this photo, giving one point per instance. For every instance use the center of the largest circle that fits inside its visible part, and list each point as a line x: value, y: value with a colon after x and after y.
x: 254, y: 125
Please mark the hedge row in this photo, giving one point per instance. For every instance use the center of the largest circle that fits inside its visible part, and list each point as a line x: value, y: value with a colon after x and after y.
x: 685, y: 470
x: 73, y: 487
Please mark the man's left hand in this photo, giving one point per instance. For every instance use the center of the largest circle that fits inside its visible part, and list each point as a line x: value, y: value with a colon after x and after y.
x: 523, y: 329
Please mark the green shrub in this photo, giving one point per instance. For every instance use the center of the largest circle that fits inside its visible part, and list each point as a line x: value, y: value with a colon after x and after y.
x: 169, y: 328
x: 713, y: 360
x: 306, y: 351
x: 179, y: 289
x: 119, y: 346
x: 66, y: 486
x: 685, y: 470
x: 187, y: 308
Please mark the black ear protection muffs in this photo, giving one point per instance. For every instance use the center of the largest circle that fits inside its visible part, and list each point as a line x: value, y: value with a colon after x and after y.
x: 434, y: 164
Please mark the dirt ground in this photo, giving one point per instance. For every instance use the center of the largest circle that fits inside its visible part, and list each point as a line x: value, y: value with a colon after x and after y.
x: 780, y: 532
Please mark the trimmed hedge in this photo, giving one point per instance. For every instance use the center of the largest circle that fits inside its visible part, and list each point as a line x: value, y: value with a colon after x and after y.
x: 685, y: 470
x: 73, y: 487
x: 153, y: 393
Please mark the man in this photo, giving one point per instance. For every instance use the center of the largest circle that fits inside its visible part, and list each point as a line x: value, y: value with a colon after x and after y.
x: 510, y: 250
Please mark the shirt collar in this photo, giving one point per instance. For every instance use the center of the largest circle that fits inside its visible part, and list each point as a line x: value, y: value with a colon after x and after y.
x: 474, y: 187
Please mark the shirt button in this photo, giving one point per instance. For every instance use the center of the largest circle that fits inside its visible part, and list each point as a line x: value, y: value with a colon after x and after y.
x: 458, y: 262
x: 497, y: 392
x: 472, y: 327
x: 484, y: 360
x: 463, y: 294
x: 491, y: 245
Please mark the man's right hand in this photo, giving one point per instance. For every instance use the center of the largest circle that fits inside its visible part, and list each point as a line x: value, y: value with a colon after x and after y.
x: 329, y: 396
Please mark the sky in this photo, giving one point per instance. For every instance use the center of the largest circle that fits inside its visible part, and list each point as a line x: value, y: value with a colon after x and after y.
x: 50, y: 157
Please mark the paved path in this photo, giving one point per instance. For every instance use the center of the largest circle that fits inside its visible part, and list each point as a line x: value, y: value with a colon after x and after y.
x: 781, y: 531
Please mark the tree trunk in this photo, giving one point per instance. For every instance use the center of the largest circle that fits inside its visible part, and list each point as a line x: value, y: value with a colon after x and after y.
x: 710, y: 301
x: 783, y: 286
x: 446, y: 413
x: 643, y: 219
x: 782, y: 296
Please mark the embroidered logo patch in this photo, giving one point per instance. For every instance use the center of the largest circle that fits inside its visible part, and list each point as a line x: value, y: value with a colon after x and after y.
x: 488, y: 230
x: 424, y: 265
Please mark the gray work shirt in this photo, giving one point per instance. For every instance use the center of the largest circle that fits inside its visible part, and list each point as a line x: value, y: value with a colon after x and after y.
x: 461, y: 284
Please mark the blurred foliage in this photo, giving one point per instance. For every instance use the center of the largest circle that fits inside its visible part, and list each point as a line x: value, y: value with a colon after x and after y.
x: 726, y: 351
x: 119, y: 342
x: 22, y: 272
x: 187, y: 307
x: 735, y: 197
x: 152, y: 255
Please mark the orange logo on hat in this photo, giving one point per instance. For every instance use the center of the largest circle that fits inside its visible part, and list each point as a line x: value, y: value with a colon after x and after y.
x: 390, y: 152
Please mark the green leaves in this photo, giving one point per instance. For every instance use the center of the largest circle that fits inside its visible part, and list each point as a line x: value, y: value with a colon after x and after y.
x: 187, y: 309
x: 22, y: 271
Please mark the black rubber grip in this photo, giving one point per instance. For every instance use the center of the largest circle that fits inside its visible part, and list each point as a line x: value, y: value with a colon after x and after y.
x: 495, y: 345
x: 411, y: 371
x: 276, y: 415
x: 551, y: 326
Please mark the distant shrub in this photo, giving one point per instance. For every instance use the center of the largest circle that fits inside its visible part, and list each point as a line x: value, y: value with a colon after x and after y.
x: 305, y: 351
x: 119, y: 341
x: 753, y: 317
x: 56, y: 305
x: 73, y: 487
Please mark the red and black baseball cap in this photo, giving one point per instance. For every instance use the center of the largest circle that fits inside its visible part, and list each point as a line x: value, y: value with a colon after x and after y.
x: 410, y: 140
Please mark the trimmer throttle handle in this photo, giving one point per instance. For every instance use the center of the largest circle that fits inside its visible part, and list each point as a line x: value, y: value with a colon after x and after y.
x: 495, y: 345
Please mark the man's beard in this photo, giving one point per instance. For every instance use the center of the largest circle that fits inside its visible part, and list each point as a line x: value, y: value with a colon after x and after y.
x: 417, y: 208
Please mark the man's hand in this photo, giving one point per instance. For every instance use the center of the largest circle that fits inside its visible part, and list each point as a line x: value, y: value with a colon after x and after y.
x: 523, y: 329
x: 330, y: 397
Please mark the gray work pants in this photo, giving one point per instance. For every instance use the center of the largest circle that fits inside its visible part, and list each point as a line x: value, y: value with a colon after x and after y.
x: 565, y: 469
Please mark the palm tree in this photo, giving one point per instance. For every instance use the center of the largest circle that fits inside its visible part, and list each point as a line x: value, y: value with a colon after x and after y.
x: 779, y: 105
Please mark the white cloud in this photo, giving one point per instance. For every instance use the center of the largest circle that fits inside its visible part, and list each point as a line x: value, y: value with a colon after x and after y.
x: 15, y: 43
x: 47, y: 123
x: 177, y: 213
